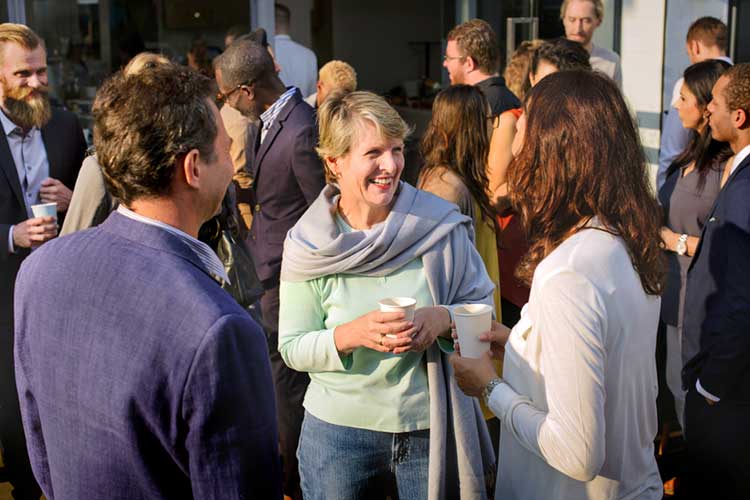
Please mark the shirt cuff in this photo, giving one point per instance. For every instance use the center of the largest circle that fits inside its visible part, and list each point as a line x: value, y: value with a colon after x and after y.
x: 703, y: 392
x: 11, y: 247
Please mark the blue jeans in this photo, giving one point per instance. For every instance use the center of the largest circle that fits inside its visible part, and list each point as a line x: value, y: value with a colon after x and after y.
x: 346, y: 463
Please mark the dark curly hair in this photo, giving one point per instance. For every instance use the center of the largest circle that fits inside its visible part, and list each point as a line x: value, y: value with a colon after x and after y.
x: 563, y: 54
x: 582, y: 158
x: 145, y: 121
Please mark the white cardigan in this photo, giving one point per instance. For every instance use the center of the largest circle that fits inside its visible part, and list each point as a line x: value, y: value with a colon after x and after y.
x: 578, y: 405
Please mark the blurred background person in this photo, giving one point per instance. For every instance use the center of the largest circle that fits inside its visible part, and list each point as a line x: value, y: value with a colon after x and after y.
x: 334, y: 76
x: 580, y: 19
x: 472, y: 57
x: 198, y: 57
x: 693, y: 182
x: 455, y: 148
x: 579, y: 367
x: 531, y: 63
x: 240, y: 128
x: 707, y: 39
x: 379, y: 410
x: 299, y: 65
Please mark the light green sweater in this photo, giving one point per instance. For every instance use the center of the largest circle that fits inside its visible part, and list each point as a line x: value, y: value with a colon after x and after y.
x: 366, y: 389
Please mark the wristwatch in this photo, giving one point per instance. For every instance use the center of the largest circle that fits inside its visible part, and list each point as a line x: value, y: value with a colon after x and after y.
x: 489, y: 388
x: 682, y: 244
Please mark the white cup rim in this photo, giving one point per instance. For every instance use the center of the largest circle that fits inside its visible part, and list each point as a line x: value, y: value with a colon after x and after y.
x: 481, y: 309
x: 44, y: 204
x: 398, y: 302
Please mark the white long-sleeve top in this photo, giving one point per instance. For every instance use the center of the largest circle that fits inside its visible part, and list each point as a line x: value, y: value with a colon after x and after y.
x: 578, y: 406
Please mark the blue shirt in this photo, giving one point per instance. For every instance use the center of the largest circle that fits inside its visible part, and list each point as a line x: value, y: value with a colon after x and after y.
x: 269, y: 115
x: 32, y: 166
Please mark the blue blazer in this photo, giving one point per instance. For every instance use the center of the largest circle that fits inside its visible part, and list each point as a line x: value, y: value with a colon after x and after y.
x: 138, y: 376
x: 717, y: 302
x: 287, y: 177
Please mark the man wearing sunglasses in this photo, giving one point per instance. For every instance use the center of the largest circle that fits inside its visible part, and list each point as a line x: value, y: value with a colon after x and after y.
x: 287, y: 177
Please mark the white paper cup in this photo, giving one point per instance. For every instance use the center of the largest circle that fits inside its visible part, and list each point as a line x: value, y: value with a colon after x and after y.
x: 45, y: 210
x: 472, y: 320
x: 407, y: 305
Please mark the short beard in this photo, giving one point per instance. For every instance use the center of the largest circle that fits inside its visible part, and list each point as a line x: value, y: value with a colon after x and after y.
x: 27, y: 108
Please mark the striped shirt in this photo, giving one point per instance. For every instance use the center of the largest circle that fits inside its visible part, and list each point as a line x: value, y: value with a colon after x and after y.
x: 205, y: 254
x: 269, y: 115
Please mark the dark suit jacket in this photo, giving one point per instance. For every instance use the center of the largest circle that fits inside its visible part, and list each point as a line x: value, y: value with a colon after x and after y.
x: 717, y: 304
x: 288, y: 176
x: 139, y: 377
x: 66, y: 148
x: 498, y: 95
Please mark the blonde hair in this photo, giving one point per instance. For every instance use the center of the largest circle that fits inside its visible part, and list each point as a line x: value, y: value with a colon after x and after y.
x: 517, y: 71
x: 339, y: 75
x: 598, y: 8
x: 19, y: 34
x: 144, y: 60
x: 341, y: 116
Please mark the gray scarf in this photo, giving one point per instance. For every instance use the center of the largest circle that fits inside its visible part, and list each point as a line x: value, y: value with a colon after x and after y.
x: 462, y: 462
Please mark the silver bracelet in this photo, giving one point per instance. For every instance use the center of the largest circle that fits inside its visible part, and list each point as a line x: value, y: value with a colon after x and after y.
x: 487, y: 391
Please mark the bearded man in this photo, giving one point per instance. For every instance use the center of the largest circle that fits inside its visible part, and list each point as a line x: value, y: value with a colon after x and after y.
x: 41, y: 150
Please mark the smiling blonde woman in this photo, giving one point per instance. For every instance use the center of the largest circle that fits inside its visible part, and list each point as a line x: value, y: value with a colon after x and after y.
x: 379, y: 407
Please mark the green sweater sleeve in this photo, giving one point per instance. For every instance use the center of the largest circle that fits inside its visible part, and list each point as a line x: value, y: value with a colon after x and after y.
x: 305, y: 344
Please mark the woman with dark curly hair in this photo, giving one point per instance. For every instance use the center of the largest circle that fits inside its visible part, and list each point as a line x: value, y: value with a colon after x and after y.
x: 577, y: 400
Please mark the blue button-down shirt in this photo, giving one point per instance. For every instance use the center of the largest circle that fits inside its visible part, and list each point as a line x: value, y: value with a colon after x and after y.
x: 269, y: 115
x: 32, y: 166
x: 205, y: 254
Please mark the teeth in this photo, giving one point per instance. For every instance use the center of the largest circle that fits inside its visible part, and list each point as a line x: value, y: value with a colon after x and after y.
x: 381, y: 182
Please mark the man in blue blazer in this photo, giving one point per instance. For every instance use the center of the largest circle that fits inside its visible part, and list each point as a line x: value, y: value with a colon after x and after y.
x: 717, y: 314
x: 287, y: 177
x: 138, y: 376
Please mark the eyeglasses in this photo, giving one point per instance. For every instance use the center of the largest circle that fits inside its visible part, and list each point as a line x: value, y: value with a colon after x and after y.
x: 447, y: 58
x: 220, y: 97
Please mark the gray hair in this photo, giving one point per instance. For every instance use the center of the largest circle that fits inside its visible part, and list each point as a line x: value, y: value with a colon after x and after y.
x: 245, y: 62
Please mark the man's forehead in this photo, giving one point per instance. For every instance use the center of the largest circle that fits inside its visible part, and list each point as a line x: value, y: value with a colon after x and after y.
x: 580, y: 8
x: 17, y: 56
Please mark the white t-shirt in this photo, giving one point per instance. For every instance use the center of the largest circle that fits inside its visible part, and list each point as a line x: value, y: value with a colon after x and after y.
x: 578, y: 408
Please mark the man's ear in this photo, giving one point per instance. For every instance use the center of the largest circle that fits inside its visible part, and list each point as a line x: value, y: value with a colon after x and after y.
x: 471, y: 63
x: 741, y: 119
x: 191, y: 169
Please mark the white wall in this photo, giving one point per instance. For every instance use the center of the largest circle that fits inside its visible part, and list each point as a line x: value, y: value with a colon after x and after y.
x: 641, y: 55
x: 605, y: 33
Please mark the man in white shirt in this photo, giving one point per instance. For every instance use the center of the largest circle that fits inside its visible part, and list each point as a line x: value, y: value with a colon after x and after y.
x: 299, y: 66
x: 581, y: 18
x: 706, y: 39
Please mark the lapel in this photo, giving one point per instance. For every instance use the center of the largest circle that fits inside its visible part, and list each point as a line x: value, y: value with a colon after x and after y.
x: 745, y: 163
x: 278, y: 124
x: 53, y: 154
x: 8, y: 166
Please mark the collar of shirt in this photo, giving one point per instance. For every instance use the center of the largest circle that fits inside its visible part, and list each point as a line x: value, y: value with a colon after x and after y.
x: 9, y: 127
x: 739, y: 158
x: 204, y: 252
x: 269, y: 115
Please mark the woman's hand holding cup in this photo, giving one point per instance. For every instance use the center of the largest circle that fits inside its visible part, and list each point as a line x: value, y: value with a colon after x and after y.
x: 376, y: 330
